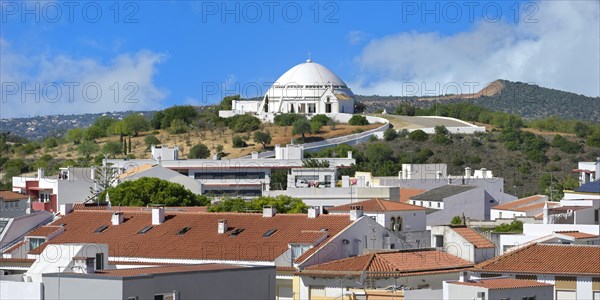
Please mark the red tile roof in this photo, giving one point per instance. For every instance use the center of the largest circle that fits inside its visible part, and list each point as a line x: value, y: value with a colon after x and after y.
x: 114, y: 208
x: 577, y: 234
x: 44, y: 231
x: 166, y: 269
x: 390, y: 264
x: 14, y: 247
x: 12, y: 196
x: 202, y: 241
x: 519, y: 203
x: 378, y: 205
x: 534, y: 207
x: 473, y: 237
x: 546, y: 259
x: 502, y: 283
x: 406, y: 194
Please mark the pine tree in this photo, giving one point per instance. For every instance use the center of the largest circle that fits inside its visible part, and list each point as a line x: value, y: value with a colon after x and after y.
x: 124, y: 147
x: 129, y: 145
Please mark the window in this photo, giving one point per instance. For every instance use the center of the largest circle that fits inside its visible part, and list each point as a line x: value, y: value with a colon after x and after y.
x: 439, y: 241
x: 133, y: 298
x: 236, y: 232
x: 596, y: 216
x: 439, y: 205
x: 99, y: 261
x: 3, y: 225
x: 168, y: 296
x: 184, y: 230
x: 35, y: 242
x: 101, y: 228
x: 528, y: 298
x: 269, y: 232
x: 145, y: 229
x: 298, y: 250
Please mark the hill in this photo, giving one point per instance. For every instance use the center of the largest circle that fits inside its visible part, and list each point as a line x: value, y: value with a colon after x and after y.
x: 527, y: 100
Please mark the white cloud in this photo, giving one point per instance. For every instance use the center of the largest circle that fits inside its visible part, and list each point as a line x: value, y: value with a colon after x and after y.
x: 560, y: 51
x: 355, y: 37
x: 126, y: 82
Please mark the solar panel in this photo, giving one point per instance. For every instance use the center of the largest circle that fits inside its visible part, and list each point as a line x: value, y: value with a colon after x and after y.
x: 101, y: 228
x: 269, y: 232
x: 145, y: 229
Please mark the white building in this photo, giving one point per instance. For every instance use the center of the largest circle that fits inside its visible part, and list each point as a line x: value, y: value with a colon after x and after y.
x: 531, y: 206
x: 589, y: 171
x: 497, y: 288
x: 307, y: 88
x: 463, y: 242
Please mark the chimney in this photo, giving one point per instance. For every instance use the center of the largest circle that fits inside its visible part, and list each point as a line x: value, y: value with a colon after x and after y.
x: 349, y: 154
x: 65, y: 209
x: 356, y: 211
x: 545, y: 213
x: 117, y: 218
x: 158, y: 215
x: 313, y: 212
x: 40, y: 174
x: 464, y: 276
x: 84, y: 265
x: 222, y: 228
x: 467, y: 172
x: 269, y: 211
x: 93, y: 173
x: 254, y: 155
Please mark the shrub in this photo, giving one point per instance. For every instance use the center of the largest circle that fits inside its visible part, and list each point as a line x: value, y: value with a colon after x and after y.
x: 287, y: 119
x: 390, y: 134
x: 150, y: 140
x: 243, y: 123
x: 418, y: 136
x: 358, y: 120
x: 199, y: 151
x: 238, y: 142
x: 263, y: 138
x: 321, y: 119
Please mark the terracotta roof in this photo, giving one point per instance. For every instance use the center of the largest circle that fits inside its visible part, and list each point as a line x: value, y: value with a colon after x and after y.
x: 44, y: 231
x: 502, y: 283
x: 577, y: 234
x: 16, y: 261
x: 546, y: 259
x: 116, y: 208
x: 390, y: 264
x: 534, y: 207
x: 202, y: 241
x: 378, y: 205
x: 519, y: 203
x: 285, y: 269
x: 12, y: 196
x: 406, y: 194
x: 166, y: 269
x: 473, y: 237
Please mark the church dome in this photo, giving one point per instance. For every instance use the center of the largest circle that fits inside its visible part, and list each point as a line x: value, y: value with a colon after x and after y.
x: 309, y: 74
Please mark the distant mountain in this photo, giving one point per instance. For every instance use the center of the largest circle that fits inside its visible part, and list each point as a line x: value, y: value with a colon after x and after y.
x: 42, y: 126
x: 529, y: 101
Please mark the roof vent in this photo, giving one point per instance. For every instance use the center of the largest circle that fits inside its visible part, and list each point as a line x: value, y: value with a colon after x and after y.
x: 158, y: 215
x: 313, y: 212
x: 269, y: 211
x: 117, y: 218
x: 222, y: 228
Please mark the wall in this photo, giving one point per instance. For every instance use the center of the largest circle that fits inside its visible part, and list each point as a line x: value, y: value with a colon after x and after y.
x: 471, y: 203
x: 67, y: 287
x: 505, y: 214
x: 328, y: 197
x: 21, y: 290
x: 455, y: 291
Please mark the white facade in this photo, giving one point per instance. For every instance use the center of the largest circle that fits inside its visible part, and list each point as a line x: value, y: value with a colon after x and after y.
x: 307, y: 88
x: 445, y: 239
x: 164, y: 152
x: 532, y: 232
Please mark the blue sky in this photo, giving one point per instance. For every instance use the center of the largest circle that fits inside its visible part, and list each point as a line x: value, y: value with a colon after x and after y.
x: 58, y: 57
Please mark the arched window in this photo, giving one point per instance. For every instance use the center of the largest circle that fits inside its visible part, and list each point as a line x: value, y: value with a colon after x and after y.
x: 398, y: 225
x: 392, y: 223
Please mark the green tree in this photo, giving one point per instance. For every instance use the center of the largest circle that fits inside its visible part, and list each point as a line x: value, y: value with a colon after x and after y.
x: 315, y: 127
x: 283, y: 204
x: 581, y: 129
x: 302, y: 127
x: 150, y: 190
x: 178, y: 126
x: 358, y: 120
x: 150, y: 140
x: 378, y: 152
x: 238, y: 142
x: 134, y: 123
x: 263, y: 138
x: 50, y: 142
x: 287, y: 119
x: 199, y: 151
x: 104, y: 123
x: 75, y: 135
x: 315, y: 163
x: 456, y: 220
x: 390, y: 134
x: 185, y: 114
x: 417, y: 135
x: 594, y: 139
x: 226, y: 102
x: 87, y: 148
x: 244, y: 123
x: 112, y: 149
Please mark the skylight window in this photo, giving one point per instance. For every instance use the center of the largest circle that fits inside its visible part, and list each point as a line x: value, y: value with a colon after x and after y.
x: 269, y: 232
x: 145, y: 229
x: 184, y: 230
x: 236, y: 232
x: 101, y: 228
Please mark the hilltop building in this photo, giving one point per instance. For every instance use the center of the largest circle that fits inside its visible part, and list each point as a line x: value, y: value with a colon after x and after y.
x: 307, y: 88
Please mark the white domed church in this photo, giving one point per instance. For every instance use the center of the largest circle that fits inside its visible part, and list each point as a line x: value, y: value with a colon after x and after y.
x: 307, y: 88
